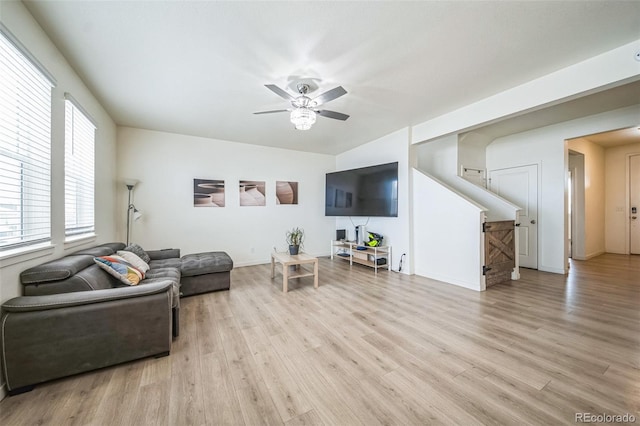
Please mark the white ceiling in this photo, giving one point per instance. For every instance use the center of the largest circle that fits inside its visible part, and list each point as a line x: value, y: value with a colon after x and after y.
x: 199, y: 68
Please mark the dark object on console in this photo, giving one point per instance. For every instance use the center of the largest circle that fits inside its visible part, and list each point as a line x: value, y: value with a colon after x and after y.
x: 341, y: 234
x: 375, y: 240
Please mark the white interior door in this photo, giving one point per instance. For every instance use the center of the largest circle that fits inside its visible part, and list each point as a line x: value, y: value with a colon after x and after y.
x: 634, y: 204
x: 520, y: 186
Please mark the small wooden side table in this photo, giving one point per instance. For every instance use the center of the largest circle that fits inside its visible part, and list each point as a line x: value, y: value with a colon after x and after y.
x: 288, y: 260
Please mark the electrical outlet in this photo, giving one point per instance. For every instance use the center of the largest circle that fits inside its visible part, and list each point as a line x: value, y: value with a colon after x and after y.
x: 253, y: 250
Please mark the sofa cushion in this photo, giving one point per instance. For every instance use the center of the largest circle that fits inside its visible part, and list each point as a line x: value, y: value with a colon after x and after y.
x: 56, y: 270
x: 133, y: 259
x: 205, y: 263
x: 114, y: 246
x: 139, y: 251
x: 91, y: 278
x: 175, y: 289
x: 101, y: 250
x: 165, y: 253
x: 119, y: 268
x: 167, y: 273
x: 166, y: 263
x: 94, y: 252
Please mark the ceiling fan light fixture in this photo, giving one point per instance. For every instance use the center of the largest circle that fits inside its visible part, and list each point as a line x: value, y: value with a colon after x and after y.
x: 304, y: 109
x: 303, y: 118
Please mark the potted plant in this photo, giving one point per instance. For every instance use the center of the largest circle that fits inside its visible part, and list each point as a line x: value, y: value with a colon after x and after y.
x: 295, y: 237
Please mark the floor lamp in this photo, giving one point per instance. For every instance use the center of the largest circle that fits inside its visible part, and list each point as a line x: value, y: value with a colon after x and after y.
x: 130, y: 207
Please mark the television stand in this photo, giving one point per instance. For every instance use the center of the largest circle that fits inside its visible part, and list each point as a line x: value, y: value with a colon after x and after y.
x: 373, y: 257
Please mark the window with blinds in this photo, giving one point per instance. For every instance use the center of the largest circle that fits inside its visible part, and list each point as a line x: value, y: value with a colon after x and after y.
x: 25, y: 148
x: 79, y: 141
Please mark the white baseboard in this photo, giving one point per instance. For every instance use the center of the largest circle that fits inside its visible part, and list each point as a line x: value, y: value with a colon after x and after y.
x: 551, y: 269
x: 453, y: 281
x: 592, y: 255
x: 250, y: 263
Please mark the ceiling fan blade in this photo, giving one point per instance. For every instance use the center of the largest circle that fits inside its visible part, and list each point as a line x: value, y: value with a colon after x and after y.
x: 269, y: 112
x: 333, y: 114
x: 280, y: 92
x: 329, y: 95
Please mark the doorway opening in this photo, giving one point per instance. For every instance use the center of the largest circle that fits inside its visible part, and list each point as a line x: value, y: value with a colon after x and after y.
x: 602, y: 187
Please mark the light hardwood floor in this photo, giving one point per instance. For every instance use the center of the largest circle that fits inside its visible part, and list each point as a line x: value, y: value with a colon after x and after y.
x: 386, y: 349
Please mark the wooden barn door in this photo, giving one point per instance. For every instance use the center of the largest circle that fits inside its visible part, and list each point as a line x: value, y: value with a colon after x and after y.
x: 499, y: 251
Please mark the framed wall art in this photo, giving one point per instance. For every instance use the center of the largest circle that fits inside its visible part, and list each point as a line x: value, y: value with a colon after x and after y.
x: 286, y: 192
x: 208, y: 193
x: 252, y: 193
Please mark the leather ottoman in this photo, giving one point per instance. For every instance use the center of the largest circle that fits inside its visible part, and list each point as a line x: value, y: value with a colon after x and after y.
x: 205, y: 272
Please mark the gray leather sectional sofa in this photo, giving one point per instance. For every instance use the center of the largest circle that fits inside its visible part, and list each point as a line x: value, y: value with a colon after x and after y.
x: 75, y: 317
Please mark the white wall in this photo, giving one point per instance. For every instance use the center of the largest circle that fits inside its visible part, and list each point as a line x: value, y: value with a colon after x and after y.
x: 18, y: 20
x: 594, y: 195
x: 166, y: 164
x: 547, y: 147
x: 617, y: 198
x: 441, y: 159
x: 472, y: 153
x: 453, y: 254
x: 396, y: 230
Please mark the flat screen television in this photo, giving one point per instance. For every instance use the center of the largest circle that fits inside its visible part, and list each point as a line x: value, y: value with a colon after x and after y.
x: 367, y: 191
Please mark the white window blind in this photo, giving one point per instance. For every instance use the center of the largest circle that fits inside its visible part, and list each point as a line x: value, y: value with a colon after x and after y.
x: 79, y: 170
x: 25, y: 149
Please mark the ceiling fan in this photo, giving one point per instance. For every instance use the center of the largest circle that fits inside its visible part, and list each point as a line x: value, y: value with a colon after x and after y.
x: 304, y: 109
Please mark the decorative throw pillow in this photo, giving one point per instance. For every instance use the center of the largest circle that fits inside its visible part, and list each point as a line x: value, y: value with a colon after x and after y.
x: 133, y: 259
x: 119, y: 268
x: 138, y: 251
